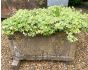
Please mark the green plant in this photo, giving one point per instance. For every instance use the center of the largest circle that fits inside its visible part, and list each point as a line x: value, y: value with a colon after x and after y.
x: 74, y: 2
x: 46, y: 22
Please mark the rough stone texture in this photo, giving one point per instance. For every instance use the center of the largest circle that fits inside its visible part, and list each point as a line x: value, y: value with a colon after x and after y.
x: 54, y: 47
x: 80, y: 62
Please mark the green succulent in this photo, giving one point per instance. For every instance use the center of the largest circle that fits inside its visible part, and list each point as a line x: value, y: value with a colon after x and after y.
x: 46, y: 22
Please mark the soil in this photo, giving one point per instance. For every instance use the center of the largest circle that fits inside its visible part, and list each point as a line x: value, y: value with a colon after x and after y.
x: 80, y: 62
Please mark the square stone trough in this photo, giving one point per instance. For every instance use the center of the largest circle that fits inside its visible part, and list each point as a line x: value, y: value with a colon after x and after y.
x: 53, y: 47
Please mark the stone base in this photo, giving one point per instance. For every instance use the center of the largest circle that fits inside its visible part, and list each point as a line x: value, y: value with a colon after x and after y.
x: 15, y: 65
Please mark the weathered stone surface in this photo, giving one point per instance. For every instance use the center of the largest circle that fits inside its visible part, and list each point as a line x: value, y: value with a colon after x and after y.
x: 15, y: 65
x: 54, y: 47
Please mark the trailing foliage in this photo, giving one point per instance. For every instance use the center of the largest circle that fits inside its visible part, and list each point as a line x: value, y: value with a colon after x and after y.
x: 46, y: 22
x: 74, y: 2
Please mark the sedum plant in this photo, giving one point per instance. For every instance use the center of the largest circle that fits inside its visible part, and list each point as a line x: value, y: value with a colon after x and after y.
x: 46, y: 22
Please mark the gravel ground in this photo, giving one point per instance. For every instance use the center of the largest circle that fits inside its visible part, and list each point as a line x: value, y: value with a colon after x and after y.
x: 80, y: 62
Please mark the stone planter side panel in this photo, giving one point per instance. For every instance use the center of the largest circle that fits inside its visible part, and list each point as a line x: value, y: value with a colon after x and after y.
x: 54, y: 47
